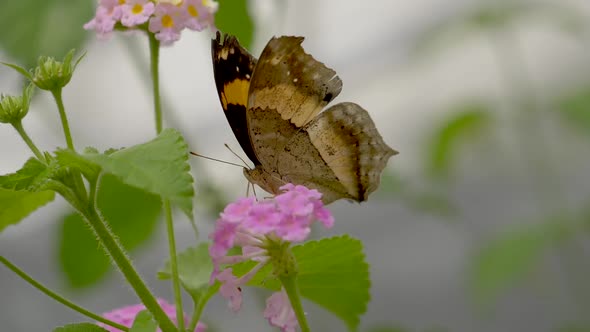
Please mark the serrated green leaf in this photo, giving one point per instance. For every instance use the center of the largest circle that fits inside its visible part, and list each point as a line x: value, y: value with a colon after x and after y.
x: 575, y: 110
x: 132, y: 215
x: 30, y: 177
x: 80, y: 327
x: 29, y: 28
x: 443, y: 146
x: 233, y: 18
x: 194, y: 269
x: 512, y: 257
x: 144, y: 322
x: 16, y: 205
x: 332, y: 273
x: 159, y: 166
x: 71, y: 159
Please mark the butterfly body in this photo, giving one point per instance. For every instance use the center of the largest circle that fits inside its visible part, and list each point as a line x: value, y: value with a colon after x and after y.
x: 274, y: 106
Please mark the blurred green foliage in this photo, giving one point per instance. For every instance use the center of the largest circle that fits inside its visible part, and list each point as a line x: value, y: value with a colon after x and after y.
x: 131, y: 213
x: 233, y: 18
x: 467, y: 122
x: 30, y: 28
x: 516, y: 255
x: 575, y: 109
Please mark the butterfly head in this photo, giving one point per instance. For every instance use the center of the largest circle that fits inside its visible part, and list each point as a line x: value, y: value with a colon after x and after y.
x: 270, y: 182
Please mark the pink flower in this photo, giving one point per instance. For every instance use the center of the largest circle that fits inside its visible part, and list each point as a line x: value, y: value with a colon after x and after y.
x: 238, y: 211
x: 263, y: 231
x: 135, y: 12
x: 262, y: 218
x: 223, y: 238
x: 199, y: 14
x: 107, y: 14
x: 293, y: 228
x: 126, y: 315
x: 230, y: 289
x: 167, y: 23
x: 279, y: 312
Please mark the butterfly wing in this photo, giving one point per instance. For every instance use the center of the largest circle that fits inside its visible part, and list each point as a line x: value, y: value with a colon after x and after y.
x: 292, y: 82
x: 288, y: 155
x: 348, y: 142
x: 232, y: 69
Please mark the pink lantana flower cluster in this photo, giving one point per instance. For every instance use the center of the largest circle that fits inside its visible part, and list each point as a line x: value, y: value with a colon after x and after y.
x: 126, y: 315
x: 263, y: 230
x: 166, y: 19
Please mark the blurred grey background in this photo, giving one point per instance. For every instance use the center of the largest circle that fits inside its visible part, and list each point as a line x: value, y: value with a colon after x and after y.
x: 413, y: 65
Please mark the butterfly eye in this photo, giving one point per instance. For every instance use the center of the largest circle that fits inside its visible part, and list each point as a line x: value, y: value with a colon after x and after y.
x: 328, y: 97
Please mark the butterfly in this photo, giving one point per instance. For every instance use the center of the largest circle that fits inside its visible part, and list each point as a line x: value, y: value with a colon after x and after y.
x: 274, y: 106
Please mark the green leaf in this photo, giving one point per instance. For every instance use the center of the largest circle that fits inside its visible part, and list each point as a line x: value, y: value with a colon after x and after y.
x: 19, y: 69
x: 144, y: 322
x: 159, y: 166
x: 29, y: 28
x: 16, y: 205
x: 443, y: 146
x: 194, y: 269
x: 31, y: 176
x: 575, y: 110
x: 332, y: 273
x: 71, y: 159
x: 80, y: 327
x: 132, y: 214
x: 513, y: 257
x: 233, y: 18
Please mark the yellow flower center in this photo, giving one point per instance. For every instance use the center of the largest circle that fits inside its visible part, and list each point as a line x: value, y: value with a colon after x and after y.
x: 121, y: 2
x: 137, y: 9
x: 192, y: 11
x: 167, y: 21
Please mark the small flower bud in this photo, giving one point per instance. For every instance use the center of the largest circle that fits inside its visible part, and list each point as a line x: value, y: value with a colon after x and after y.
x: 14, y: 108
x: 51, y: 74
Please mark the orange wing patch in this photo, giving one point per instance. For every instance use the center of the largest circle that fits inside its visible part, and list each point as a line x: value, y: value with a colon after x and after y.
x: 235, y: 92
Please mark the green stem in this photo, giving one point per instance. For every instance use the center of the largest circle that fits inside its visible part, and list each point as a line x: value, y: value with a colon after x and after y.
x: 154, y: 66
x: 109, y: 241
x: 290, y: 285
x: 174, y: 265
x: 198, y: 309
x: 23, y: 134
x: 58, y: 297
x: 64, y: 119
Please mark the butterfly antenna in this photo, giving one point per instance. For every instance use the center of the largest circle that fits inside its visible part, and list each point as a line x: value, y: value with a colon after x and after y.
x: 235, y: 154
x: 221, y: 161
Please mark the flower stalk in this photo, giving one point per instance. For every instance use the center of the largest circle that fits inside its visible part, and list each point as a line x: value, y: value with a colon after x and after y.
x: 108, y: 240
x: 23, y: 134
x: 290, y: 285
x: 63, y: 117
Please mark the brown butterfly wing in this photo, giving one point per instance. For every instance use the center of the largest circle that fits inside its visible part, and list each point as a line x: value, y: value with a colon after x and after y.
x: 347, y: 140
x: 340, y: 153
x: 292, y: 82
x: 232, y: 69
x: 287, y: 154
